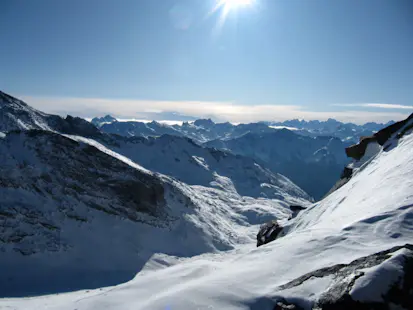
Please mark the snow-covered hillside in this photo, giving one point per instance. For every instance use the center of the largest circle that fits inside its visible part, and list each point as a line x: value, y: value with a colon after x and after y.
x: 346, y: 249
x: 74, y: 215
x: 314, y: 164
x: 195, y: 165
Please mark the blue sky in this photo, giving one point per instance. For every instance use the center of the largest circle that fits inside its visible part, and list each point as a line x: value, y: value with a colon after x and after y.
x: 272, y: 60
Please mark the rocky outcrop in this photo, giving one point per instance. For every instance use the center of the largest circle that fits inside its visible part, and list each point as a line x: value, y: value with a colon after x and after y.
x: 357, y: 151
x: 73, y: 126
x: 381, y: 281
x: 268, y: 232
x: 297, y: 208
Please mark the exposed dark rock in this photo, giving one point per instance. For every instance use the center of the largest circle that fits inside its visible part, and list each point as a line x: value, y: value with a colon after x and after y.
x: 268, y: 232
x: 357, y: 151
x: 339, y: 294
x: 297, y: 208
x: 73, y: 126
x: 347, y: 173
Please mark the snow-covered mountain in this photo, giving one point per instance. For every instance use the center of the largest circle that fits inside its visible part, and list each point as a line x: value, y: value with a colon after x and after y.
x: 140, y: 129
x: 314, y: 164
x: 77, y: 215
x: 348, y: 251
x: 17, y: 115
x: 99, y: 121
x: 201, y: 130
x: 171, y: 155
x: 204, y: 130
x: 195, y: 165
x: 348, y: 132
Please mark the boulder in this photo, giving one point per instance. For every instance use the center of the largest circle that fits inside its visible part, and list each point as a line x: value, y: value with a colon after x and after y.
x: 297, y: 208
x: 268, y: 232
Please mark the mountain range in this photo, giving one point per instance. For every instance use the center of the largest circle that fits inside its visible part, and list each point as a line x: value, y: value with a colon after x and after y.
x: 204, y: 130
x: 312, y: 159
x: 143, y: 221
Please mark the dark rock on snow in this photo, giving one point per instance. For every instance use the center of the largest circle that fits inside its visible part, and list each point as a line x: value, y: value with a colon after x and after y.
x: 357, y: 151
x: 296, y: 208
x: 268, y: 232
x: 390, y: 281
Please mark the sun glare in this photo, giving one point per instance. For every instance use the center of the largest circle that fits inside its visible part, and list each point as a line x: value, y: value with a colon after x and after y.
x: 232, y: 4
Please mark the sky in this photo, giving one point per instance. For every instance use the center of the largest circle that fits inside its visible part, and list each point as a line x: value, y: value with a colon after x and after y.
x: 270, y: 60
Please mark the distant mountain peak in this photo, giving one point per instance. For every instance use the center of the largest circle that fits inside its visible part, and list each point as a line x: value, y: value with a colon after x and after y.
x: 204, y: 122
x: 99, y: 121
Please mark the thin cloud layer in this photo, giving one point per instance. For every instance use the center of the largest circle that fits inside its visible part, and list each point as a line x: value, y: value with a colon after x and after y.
x: 222, y: 111
x: 376, y: 105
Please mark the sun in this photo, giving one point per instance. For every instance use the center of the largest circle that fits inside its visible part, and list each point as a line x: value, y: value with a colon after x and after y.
x: 233, y: 4
x: 226, y: 6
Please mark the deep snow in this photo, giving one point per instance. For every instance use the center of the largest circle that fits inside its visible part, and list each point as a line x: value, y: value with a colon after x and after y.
x: 370, y: 213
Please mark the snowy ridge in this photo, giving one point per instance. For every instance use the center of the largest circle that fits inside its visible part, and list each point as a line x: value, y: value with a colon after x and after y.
x: 353, y: 229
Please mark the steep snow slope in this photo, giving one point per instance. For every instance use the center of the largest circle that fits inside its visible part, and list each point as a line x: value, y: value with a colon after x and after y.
x: 181, y: 158
x: 76, y: 215
x: 372, y: 212
x: 314, y: 164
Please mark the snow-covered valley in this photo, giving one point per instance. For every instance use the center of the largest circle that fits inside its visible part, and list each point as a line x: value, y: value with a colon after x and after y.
x: 94, y: 221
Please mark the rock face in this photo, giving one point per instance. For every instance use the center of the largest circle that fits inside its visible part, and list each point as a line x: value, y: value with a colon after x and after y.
x: 357, y: 151
x: 381, y: 281
x: 268, y: 232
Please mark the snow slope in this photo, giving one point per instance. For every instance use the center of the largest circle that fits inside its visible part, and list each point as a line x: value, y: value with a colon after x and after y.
x: 76, y: 215
x: 372, y: 212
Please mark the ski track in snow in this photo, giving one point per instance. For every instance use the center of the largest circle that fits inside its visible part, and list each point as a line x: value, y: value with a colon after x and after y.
x: 372, y: 212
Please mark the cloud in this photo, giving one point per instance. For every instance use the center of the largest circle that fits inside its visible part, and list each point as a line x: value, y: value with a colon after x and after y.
x: 375, y: 105
x: 222, y: 111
